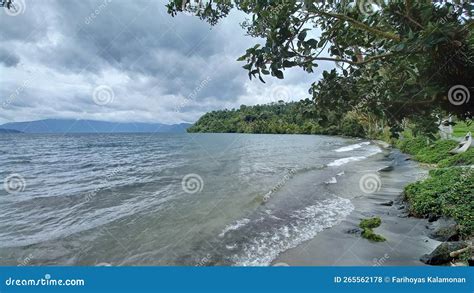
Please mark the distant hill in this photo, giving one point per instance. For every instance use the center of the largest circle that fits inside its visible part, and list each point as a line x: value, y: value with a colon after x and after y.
x: 278, y: 118
x: 9, y: 131
x: 91, y: 126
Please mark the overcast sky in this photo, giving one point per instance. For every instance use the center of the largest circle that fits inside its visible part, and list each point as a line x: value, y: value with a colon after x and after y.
x: 129, y: 61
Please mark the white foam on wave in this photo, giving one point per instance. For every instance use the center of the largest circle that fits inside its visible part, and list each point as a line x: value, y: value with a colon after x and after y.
x: 351, y: 147
x: 234, y: 226
x: 340, y: 162
x: 304, y: 224
x: 373, y: 150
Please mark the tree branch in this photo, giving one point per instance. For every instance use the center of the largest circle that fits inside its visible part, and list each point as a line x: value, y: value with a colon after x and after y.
x: 361, y: 25
x: 411, y: 20
x: 368, y: 60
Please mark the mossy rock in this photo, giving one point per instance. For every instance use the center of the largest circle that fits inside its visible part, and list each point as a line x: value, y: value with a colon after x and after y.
x: 441, y: 254
x: 370, y: 223
x: 367, y: 225
x: 370, y: 235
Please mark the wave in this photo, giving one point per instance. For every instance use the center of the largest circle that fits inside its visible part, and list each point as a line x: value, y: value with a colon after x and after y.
x: 61, y: 223
x: 351, y: 147
x: 289, y: 175
x: 301, y: 226
x: 340, y: 162
x: 238, y: 224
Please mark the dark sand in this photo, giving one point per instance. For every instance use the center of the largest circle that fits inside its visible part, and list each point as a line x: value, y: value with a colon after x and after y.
x: 406, y: 237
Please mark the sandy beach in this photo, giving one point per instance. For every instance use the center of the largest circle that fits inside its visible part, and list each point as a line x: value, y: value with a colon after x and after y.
x: 342, y: 245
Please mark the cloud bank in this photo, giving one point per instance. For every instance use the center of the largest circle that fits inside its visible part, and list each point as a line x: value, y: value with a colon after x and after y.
x: 127, y: 61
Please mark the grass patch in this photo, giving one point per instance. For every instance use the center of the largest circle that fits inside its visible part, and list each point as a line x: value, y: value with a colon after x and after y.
x: 368, y: 225
x: 447, y: 192
x: 412, y: 145
x: 462, y: 159
x: 436, y: 152
x: 461, y: 128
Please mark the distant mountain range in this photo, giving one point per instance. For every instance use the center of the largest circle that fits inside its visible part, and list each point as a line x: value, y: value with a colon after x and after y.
x: 89, y: 126
x: 9, y: 131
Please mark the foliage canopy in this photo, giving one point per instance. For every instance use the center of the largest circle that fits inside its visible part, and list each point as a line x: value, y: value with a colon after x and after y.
x: 396, y: 59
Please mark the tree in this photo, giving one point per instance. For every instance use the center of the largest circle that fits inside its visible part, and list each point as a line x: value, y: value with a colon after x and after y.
x: 7, y: 4
x: 396, y: 59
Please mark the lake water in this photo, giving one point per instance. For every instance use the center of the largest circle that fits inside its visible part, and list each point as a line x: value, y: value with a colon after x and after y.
x: 168, y: 199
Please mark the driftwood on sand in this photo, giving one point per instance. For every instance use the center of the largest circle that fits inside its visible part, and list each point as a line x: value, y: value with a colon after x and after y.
x: 460, y: 251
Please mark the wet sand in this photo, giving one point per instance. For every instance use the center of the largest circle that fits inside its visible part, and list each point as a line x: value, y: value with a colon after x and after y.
x: 341, y: 245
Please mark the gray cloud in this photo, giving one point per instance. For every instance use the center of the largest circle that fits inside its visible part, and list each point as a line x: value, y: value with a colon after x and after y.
x: 9, y: 59
x: 59, y: 51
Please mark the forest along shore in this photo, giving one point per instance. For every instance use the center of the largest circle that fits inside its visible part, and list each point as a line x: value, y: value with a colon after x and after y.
x: 407, y: 238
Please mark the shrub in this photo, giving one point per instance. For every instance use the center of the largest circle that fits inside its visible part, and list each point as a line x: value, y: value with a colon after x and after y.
x: 351, y: 127
x: 447, y: 192
x: 436, y: 152
x: 462, y: 159
x: 412, y: 145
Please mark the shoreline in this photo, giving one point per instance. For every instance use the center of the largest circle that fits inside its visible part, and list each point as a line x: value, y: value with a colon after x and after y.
x: 406, y: 237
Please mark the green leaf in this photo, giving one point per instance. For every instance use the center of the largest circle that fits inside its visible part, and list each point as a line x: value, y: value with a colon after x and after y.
x: 302, y: 35
x: 312, y: 43
x: 278, y: 74
x: 288, y: 63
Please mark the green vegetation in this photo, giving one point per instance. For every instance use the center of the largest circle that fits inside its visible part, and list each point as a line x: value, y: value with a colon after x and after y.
x: 447, y: 192
x: 461, y: 128
x: 463, y: 159
x: 396, y: 60
x: 277, y: 118
x: 368, y: 225
x: 436, y: 152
